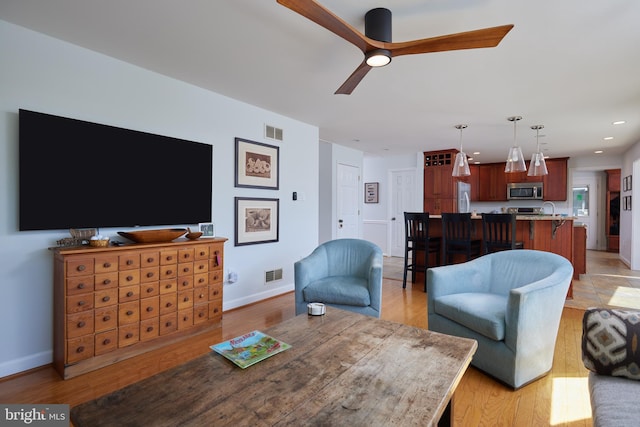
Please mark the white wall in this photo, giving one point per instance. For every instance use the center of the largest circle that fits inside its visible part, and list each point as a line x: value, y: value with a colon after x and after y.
x: 44, y: 74
x: 629, y: 220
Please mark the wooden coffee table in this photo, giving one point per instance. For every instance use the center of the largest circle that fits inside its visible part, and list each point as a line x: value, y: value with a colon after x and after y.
x: 343, y: 369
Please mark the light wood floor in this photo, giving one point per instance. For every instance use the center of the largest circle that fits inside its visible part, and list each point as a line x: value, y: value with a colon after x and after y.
x: 559, y: 399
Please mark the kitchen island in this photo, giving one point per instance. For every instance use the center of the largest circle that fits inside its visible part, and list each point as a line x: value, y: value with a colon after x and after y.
x: 549, y: 233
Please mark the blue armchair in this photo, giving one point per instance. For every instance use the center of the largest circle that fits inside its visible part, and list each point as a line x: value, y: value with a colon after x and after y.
x: 343, y: 273
x: 510, y: 302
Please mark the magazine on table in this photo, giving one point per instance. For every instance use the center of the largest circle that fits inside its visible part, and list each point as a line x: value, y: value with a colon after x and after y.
x: 249, y: 349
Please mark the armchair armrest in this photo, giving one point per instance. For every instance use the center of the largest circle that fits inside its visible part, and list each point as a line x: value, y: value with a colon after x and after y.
x: 535, y: 309
x: 375, y: 280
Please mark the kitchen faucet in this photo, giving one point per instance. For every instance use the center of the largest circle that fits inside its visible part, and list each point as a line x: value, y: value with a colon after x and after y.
x: 553, y: 207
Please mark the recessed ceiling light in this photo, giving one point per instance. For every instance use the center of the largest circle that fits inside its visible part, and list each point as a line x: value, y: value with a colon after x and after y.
x: 608, y: 138
x: 476, y: 153
x: 599, y: 152
x: 619, y: 122
x: 476, y: 163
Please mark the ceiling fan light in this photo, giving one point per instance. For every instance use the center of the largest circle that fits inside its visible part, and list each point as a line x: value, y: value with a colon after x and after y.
x: 537, y: 167
x: 378, y: 57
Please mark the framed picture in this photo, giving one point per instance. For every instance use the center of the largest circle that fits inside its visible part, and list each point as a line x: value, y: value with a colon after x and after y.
x: 371, y: 192
x: 626, y: 203
x: 257, y: 165
x: 256, y: 221
x: 208, y: 229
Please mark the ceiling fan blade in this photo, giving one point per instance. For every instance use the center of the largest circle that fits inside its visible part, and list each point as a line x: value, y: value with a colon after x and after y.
x: 310, y: 9
x: 350, y: 84
x: 486, y: 37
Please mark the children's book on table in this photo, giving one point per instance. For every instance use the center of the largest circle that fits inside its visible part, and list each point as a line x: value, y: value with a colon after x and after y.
x: 251, y: 348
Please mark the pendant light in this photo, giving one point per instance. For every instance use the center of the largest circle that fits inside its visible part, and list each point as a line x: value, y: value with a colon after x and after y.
x: 537, y: 167
x: 461, y: 164
x: 515, y: 160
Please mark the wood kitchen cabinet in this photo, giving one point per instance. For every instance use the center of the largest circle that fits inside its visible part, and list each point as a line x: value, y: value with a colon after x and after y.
x: 439, y: 185
x: 492, y: 182
x: 612, y: 219
x: 555, y: 183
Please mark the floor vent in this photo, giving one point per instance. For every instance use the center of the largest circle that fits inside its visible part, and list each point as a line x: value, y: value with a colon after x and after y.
x: 273, y: 275
x: 272, y: 132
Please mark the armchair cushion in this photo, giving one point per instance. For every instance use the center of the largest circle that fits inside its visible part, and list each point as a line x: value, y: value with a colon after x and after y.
x: 339, y: 290
x: 481, y: 312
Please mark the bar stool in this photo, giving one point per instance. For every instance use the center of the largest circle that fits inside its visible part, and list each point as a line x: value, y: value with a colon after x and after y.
x: 456, y: 236
x: 416, y: 225
x: 499, y: 232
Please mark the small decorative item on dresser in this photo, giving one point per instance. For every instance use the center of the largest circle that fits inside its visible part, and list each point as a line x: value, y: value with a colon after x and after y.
x: 193, y: 235
x: 99, y: 241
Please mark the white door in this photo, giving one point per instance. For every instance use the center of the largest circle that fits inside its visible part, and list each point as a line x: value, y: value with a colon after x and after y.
x: 403, y: 199
x: 348, y: 201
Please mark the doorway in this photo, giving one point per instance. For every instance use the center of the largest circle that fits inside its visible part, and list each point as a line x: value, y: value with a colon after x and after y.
x: 403, y: 199
x: 348, y: 212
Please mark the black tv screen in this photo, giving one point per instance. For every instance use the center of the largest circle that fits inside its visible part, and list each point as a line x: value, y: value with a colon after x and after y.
x: 77, y: 174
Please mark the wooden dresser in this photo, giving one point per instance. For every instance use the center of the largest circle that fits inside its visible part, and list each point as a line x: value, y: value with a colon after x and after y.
x: 113, y: 303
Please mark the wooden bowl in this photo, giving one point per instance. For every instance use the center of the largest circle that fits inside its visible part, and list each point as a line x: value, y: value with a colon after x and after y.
x: 193, y: 235
x: 153, y: 236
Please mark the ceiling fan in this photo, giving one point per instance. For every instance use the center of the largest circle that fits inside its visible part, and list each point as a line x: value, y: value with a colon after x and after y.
x: 376, y: 42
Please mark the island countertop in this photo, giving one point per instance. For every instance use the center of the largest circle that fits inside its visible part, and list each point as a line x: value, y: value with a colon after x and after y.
x: 523, y: 217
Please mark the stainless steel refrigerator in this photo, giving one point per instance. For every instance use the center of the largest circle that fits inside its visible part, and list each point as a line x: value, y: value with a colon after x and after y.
x: 464, y: 197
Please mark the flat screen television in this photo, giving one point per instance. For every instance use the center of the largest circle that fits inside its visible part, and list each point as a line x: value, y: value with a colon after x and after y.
x: 77, y: 174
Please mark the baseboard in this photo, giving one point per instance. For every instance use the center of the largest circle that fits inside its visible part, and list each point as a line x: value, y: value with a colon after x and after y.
x: 25, y: 363
x: 250, y: 299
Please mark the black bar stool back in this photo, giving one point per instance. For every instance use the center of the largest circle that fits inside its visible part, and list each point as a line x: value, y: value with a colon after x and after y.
x: 456, y: 235
x: 499, y: 232
x: 417, y: 239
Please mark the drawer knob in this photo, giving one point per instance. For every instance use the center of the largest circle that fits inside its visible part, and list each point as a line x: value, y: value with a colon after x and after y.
x: 107, y: 341
x: 169, y: 272
x: 150, y: 328
x: 80, y: 349
x: 215, y: 310
x: 107, y: 264
x: 201, y: 314
x: 106, y: 282
x: 149, y: 290
x: 129, y: 294
x: 129, y: 262
x: 168, y: 305
x: 168, y: 324
x: 150, y: 274
x: 169, y: 286
x: 129, y: 278
x: 185, y: 283
x: 149, y: 309
x: 186, y: 299
x: 216, y: 292
x: 106, y: 318
x: 80, y: 285
x: 150, y: 260
x: 129, y: 313
x: 81, y: 303
x: 81, y: 268
x: 169, y: 258
x: 201, y: 296
x: 201, y: 280
x: 129, y: 335
x: 202, y: 253
x: 81, y: 324
x: 106, y: 298
x: 185, y: 318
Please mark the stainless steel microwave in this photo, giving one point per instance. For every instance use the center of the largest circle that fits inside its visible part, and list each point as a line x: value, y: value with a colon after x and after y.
x: 524, y: 191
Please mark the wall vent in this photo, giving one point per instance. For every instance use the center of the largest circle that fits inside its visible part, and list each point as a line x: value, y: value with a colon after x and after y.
x: 272, y: 275
x: 272, y: 132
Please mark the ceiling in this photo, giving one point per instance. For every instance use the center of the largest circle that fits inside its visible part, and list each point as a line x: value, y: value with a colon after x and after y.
x: 570, y: 66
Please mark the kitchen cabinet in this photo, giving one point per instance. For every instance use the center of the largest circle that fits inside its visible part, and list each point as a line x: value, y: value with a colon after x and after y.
x: 612, y: 219
x: 492, y: 185
x: 439, y: 185
x: 555, y: 183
